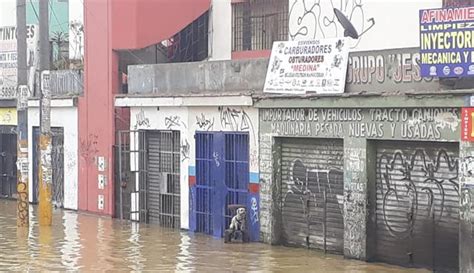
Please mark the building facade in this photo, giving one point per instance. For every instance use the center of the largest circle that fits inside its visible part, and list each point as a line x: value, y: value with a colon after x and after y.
x: 64, y: 152
x: 173, y: 128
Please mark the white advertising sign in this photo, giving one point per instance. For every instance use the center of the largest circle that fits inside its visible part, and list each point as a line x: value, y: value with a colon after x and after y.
x: 298, y: 67
x: 8, y: 57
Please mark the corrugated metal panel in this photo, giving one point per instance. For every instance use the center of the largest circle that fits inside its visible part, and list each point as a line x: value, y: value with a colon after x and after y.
x: 312, y: 191
x: 417, y: 204
x: 163, y: 199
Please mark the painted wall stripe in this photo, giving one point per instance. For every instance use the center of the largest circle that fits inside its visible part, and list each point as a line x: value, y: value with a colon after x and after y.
x: 192, y: 170
x: 254, y: 177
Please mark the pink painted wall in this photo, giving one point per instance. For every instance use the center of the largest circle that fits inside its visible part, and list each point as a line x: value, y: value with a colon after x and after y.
x: 96, y: 123
x: 141, y: 23
x: 113, y: 25
x: 251, y: 54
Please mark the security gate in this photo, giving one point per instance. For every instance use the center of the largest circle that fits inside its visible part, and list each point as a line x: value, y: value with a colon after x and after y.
x: 163, y: 187
x: 312, y: 193
x: 202, y: 196
x: 8, y: 179
x: 131, y: 176
x: 222, y: 177
x: 57, y: 164
x: 417, y: 204
x: 236, y: 160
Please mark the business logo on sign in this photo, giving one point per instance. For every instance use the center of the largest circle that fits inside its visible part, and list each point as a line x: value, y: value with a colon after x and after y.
x: 447, y: 42
x: 298, y: 67
x: 467, y: 128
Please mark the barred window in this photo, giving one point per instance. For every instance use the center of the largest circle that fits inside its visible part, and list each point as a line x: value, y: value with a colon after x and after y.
x: 256, y: 24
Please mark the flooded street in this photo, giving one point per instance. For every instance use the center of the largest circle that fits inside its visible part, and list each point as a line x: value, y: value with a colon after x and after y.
x: 78, y: 241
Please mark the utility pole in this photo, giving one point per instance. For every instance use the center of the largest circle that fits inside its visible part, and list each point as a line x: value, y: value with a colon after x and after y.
x: 22, y: 113
x: 45, y: 170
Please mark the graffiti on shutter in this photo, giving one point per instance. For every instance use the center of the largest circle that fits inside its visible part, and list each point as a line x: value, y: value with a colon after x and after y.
x: 312, y: 193
x: 417, y: 208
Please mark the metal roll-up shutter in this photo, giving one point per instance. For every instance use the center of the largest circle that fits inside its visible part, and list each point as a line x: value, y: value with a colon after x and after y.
x: 312, y: 193
x: 417, y: 208
x: 153, y: 190
x: 163, y: 192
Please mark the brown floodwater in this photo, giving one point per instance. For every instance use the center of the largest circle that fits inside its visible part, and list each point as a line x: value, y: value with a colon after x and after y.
x: 83, y: 242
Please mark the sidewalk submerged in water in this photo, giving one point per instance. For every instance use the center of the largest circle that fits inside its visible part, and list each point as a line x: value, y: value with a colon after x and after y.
x: 84, y: 242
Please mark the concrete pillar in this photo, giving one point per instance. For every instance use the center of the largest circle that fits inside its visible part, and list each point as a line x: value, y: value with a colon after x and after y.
x: 220, y: 29
x: 355, y: 198
x: 267, y: 184
x: 466, y: 209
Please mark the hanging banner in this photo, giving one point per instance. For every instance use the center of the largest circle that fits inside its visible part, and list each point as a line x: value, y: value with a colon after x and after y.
x: 298, y: 67
x: 447, y: 42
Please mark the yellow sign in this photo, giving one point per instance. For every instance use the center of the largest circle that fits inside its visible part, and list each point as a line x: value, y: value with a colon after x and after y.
x: 8, y: 116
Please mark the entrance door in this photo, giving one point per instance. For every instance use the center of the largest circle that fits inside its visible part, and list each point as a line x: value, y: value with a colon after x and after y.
x: 222, y: 177
x: 312, y: 193
x: 417, y: 204
x: 57, y: 163
x: 163, y: 192
x: 8, y: 179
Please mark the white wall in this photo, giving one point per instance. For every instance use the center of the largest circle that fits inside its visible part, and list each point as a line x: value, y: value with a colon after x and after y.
x: 67, y: 118
x: 7, y: 13
x: 396, y: 21
x: 220, y: 30
x: 76, y: 38
x: 188, y: 120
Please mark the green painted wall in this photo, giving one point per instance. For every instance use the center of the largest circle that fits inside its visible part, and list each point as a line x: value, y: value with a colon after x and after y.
x: 58, y: 15
x: 58, y: 28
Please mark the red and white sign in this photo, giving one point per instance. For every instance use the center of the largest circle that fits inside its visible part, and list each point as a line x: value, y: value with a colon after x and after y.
x: 467, y: 128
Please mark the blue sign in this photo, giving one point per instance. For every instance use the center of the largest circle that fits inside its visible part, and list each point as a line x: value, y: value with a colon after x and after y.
x: 447, y: 42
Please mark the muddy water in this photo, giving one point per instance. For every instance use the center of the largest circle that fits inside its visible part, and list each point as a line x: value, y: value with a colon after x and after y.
x: 83, y: 242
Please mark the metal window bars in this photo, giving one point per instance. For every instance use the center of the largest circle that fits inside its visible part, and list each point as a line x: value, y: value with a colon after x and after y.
x: 257, y: 24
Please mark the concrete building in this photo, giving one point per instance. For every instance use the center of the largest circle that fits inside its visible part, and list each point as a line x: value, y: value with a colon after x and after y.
x: 173, y: 127
x: 67, y: 85
x: 212, y: 133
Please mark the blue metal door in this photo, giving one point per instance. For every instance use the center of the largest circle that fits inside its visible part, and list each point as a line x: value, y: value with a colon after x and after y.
x: 236, y: 173
x: 222, y: 174
x: 201, y: 194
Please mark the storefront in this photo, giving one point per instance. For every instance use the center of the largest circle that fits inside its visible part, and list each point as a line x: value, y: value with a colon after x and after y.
x: 331, y: 175
x: 200, y: 155
x: 376, y: 173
